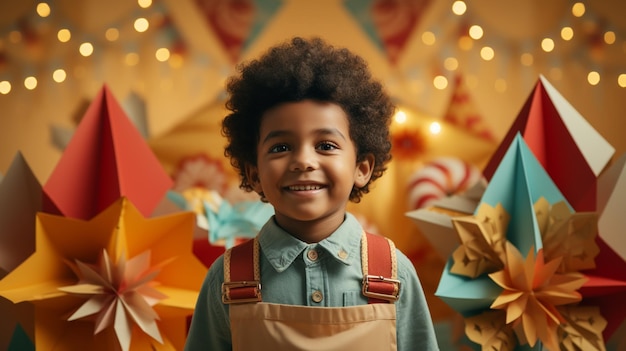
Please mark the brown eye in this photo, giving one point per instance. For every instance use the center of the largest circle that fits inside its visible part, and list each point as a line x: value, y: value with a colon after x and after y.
x: 279, y: 148
x: 327, y: 146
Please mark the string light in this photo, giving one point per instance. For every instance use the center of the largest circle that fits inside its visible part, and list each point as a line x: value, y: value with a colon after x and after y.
x: 144, y: 4
x: 400, y: 117
x: 621, y: 80
x: 59, y: 75
x: 547, y: 45
x: 64, y: 35
x: 476, y: 32
x: 567, y: 33
x: 141, y: 25
x: 578, y: 9
x: 459, y: 8
x: 86, y: 49
x: 5, y: 87
x: 43, y: 9
x: 609, y: 37
x: 440, y: 82
x: 434, y: 128
x: 162, y: 54
x: 593, y: 78
x: 487, y: 53
x: 30, y: 82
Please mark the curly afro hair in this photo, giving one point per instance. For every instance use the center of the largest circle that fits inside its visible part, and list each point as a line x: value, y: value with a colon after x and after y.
x: 303, y: 69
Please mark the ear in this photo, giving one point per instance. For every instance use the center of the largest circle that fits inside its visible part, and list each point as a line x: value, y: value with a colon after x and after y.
x: 252, y: 175
x: 364, y: 170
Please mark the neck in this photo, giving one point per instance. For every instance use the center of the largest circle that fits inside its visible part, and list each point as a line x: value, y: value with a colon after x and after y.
x: 311, y: 231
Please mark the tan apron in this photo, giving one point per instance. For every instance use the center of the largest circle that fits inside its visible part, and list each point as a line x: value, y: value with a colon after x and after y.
x: 256, y: 325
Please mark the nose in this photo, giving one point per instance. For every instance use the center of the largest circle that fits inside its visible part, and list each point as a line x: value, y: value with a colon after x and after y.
x: 303, y: 160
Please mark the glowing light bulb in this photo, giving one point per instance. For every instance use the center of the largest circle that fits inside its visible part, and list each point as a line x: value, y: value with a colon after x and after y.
x: 59, y: 75
x: 5, y: 87
x: 400, y: 117
x: 30, y: 83
x: 476, y: 32
x: 487, y: 53
x: 593, y: 78
x: 440, y: 82
x: 141, y: 25
x: 459, y: 8
x: 434, y: 128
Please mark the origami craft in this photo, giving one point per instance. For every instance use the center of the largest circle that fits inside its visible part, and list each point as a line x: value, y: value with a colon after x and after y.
x: 563, y: 142
x: 20, y: 200
x: 106, y: 158
x: 224, y: 224
x: 522, y: 252
x: 112, y: 282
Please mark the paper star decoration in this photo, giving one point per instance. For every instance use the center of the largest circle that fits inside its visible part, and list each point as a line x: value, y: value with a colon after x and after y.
x: 160, y: 245
x: 118, y: 291
x: 483, y: 237
x: 532, y: 289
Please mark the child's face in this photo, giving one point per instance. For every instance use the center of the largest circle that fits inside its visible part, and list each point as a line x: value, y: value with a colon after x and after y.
x: 306, y: 163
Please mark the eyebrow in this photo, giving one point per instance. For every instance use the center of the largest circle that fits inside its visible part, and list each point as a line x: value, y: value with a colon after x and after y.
x: 321, y: 131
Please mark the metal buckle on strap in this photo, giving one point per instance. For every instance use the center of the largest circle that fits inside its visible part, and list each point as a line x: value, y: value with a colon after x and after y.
x: 380, y: 278
x: 227, y: 286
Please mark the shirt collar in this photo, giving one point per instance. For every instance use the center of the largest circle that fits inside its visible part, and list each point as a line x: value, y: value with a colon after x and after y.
x: 281, y: 249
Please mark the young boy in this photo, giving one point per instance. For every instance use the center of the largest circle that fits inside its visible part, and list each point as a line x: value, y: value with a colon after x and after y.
x: 309, y: 131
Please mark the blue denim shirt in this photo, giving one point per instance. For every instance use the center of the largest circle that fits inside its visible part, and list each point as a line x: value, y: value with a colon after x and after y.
x: 289, y: 276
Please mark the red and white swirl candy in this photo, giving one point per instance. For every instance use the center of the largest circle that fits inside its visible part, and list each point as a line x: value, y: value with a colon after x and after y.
x: 439, y: 178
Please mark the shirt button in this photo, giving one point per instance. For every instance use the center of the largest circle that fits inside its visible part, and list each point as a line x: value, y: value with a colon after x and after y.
x: 312, y: 255
x: 343, y: 254
x: 317, y: 296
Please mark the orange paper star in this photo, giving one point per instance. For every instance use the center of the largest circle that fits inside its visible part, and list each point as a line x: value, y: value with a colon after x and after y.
x: 158, y: 285
x: 117, y: 292
x: 532, y: 289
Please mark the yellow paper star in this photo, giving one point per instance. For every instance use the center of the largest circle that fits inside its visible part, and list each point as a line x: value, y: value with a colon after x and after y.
x: 568, y: 235
x: 583, y: 328
x: 490, y: 331
x: 532, y: 289
x: 482, y: 241
x: 45, y: 276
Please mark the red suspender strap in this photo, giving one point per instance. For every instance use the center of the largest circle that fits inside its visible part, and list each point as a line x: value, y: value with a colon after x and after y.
x: 242, y: 282
x: 380, y: 269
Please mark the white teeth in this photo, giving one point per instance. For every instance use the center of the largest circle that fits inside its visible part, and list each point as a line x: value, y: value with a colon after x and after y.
x: 304, y: 187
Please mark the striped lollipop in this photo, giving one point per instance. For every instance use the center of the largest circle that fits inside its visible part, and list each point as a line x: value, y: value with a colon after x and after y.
x: 441, y: 177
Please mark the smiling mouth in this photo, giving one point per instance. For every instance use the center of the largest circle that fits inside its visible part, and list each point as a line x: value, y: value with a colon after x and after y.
x: 304, y: 187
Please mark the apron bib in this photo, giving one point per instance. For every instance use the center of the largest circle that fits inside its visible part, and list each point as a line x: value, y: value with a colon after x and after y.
x: 263, y: 326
